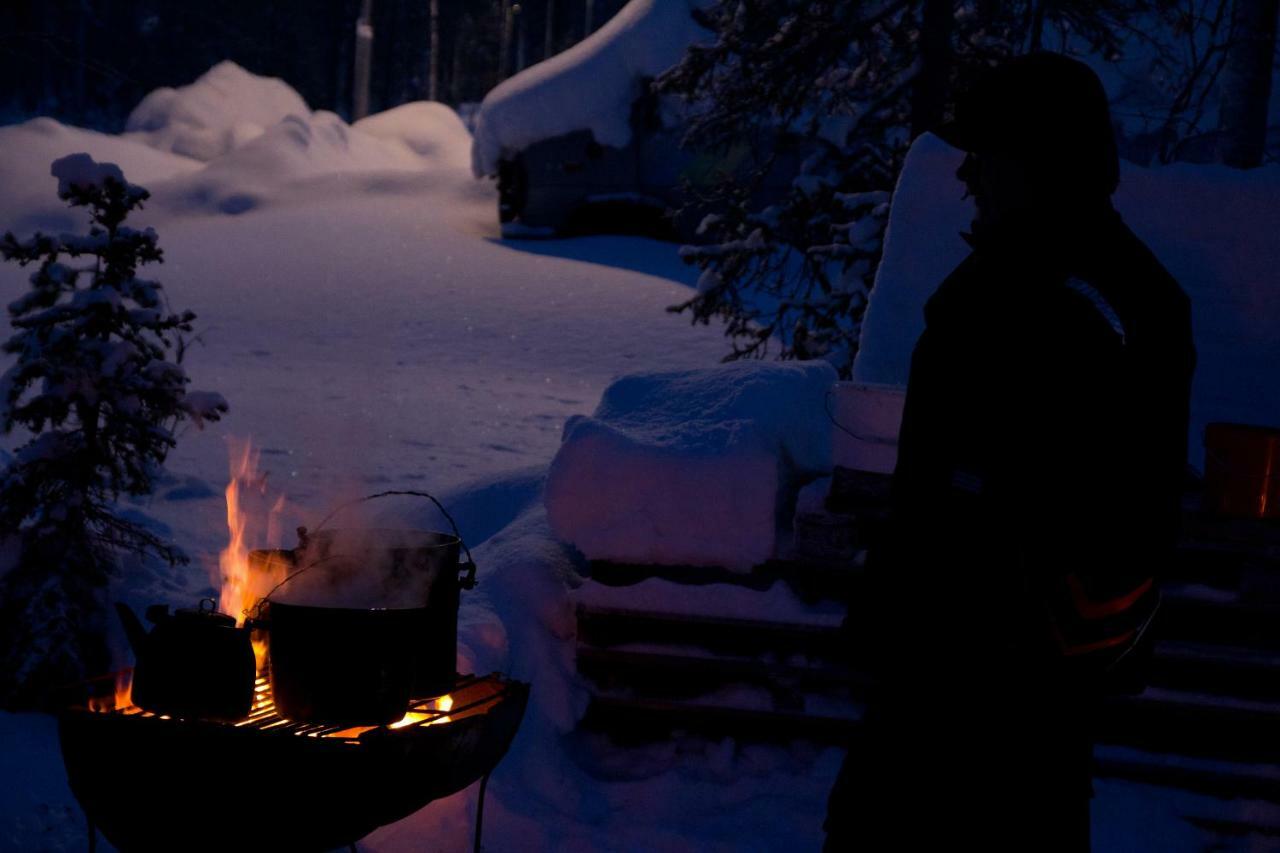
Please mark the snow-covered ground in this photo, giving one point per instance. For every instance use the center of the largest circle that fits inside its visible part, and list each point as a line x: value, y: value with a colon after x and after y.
x: 371, y: 331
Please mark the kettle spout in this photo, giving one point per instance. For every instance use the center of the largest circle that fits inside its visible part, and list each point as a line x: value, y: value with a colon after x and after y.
x: 132, y: 628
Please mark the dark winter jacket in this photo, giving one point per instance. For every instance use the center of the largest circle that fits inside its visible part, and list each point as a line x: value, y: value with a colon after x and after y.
x: 1041, y: 459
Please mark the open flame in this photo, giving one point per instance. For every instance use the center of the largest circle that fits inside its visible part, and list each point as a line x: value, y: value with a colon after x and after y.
x: 120, y: 699
x: 242, y: 583
x: 444, y: 703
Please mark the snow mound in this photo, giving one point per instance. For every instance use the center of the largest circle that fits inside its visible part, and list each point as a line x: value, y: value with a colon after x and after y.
x: 429, y: 129
x: 590, y: 86
x: 686, y: 467
x: 222, y: 110
x: 1213, y: 227
x: 297, y: 149
x: 28, y: 192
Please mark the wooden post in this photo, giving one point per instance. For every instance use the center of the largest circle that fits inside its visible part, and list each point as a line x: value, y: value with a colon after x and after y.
x: 929, y: 90
x: 363, y: 62
x: 433, y: 70
x: 1246, y: 83
x: 504, y: 43
x: 549, y: 35
x: 518, y: 10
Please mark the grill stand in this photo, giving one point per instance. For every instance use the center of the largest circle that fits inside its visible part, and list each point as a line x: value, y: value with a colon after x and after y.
x: 484, y: 784
x: 146, y: 780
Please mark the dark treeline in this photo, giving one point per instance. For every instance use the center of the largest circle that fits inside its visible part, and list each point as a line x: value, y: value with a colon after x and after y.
x: 89, y: 62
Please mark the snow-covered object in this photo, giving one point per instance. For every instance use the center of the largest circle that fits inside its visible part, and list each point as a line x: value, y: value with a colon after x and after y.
x: 28, y: 199
x: 866, y: 419
x: 81, y: 172
x: 1213, y: 227
x: 921, y: 246
x: 295, y: 150
x: 590, y: 86
x: 686, y: 467
x: 222, y: 110
x: 429, y: 129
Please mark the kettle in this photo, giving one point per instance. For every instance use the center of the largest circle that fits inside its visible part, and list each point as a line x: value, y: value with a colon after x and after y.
x: 195, y: 663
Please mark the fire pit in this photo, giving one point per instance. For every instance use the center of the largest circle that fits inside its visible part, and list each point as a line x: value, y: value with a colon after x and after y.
x: 264, y: 783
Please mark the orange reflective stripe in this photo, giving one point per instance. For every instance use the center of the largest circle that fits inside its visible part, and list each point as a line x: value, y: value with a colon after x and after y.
x: 1084, y: 648
x: 1090, y: 609
x: 1069, y: 649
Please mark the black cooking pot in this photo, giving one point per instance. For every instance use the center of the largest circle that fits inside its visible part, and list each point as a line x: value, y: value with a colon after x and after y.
x: 193, y: 664
x: 360, y: 665
x: 345, y: 666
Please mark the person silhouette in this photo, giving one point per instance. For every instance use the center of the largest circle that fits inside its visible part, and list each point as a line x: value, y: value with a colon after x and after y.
x: 1037, y: 491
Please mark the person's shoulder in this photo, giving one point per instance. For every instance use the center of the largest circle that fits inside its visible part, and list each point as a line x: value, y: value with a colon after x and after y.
x: 953, y: 288
x: 1141, y: 269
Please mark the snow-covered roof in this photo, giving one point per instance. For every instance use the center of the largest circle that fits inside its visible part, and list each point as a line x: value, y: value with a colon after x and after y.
x: 1212, y: 227
x: 590, y: 86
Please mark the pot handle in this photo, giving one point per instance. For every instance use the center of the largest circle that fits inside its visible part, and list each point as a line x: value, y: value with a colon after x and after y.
x: 467, y: 569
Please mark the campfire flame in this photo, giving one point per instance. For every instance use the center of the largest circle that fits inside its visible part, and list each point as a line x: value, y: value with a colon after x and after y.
x: 121, y: 698
x: 241, y: 585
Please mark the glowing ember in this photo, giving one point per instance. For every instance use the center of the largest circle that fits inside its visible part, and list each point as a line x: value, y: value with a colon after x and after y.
x: 444, y: 703
x: 120, y: 699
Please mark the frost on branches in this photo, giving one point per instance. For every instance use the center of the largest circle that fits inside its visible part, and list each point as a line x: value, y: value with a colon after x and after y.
x: 95, y: 394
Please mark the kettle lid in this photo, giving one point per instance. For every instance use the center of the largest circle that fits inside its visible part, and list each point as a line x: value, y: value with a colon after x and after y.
x: 206, y: 613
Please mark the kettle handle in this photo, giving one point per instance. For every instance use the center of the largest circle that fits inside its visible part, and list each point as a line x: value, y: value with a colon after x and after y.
x: 133, y: 629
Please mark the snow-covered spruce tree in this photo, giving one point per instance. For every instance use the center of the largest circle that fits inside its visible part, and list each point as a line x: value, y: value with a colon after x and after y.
x: 94, y: 394
x: 846, y: 84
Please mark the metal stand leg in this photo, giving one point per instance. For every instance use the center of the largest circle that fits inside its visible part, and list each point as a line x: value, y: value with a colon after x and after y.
x: 93, y: 834
x: 484, y: 783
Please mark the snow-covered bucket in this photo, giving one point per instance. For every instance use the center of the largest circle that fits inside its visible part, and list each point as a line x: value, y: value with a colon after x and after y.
x: 867, y: 417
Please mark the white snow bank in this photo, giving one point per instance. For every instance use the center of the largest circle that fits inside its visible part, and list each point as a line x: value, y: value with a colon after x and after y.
x: 686, y: 467
x: 1213, y: 227
x: 223, y: 109
x: 28, y: 192
x: 429, y: 129
x: 590, y: 86
x: 299, y: 148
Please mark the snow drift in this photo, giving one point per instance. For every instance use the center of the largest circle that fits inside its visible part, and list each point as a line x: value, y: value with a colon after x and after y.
x: 1213, y: 227
x: 223, y: 109
x: 590, y: 86
x: 298, y: 149
x: 431, y: 130
x: 28, y: 200
x: 686, y: 467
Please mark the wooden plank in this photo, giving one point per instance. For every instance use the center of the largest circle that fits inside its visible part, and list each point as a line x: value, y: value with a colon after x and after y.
x: 1244, y: 672
x: 608, y: 626
x: 1189, y: 615
x: 629, y: 721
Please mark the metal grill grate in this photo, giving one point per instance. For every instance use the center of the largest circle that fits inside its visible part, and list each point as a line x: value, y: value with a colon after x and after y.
x: 470, y: 695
